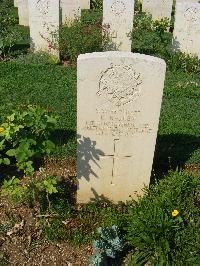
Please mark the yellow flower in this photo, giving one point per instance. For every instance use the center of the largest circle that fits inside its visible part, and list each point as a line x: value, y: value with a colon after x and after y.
x: 2, y: 129
x: 175, y: 213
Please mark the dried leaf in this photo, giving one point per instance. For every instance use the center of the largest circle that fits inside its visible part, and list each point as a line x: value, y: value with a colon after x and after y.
x: 16, y: 228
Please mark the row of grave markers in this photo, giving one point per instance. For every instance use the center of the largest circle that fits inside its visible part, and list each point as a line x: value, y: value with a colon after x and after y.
x: 118, y: 15
x: 119, y: 96
x: 159, y: 9
x: 70, y: 10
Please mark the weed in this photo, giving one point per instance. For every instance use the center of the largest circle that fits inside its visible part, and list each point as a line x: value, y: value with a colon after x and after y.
x: 166, y: 216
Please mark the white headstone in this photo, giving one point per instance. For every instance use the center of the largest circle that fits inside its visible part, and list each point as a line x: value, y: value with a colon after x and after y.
x: 159, y: 9
x: 23, y: 12
x: 16, y: 3
x: 71, y: 11
x: 189, y: 1
x: 119, y: 101
x: 118, y: 24
x: 44, y: 22
x: 186, y: 36
x: 85, y: 4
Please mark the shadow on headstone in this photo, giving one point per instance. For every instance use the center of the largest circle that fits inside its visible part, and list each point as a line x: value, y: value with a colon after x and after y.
x: 98, y: 197
x: 86, y: 152
x: 172, y: 151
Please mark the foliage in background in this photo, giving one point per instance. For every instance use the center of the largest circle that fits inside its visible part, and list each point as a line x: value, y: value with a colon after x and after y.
x: 148, y: 36
x: 138, y: 6
x: 38, y: 58
x: 97, y: 4
x: 82, y: 37
x: 164, y: 225
x: 177, y: 61
x: 8, y: 35
x: 152, y: 37
x: 24, y: 135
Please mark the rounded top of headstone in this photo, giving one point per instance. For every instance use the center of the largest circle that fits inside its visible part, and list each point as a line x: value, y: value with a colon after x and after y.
x: 117, y: 54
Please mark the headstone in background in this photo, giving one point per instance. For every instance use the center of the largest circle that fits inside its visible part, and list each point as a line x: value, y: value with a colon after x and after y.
x: 44, y: 24
x: 23, y: 12
x: 16, y: 3
x: 85, y: 4
x: 71, y: 11
x: 118, y: 24
x: 159, y: 9
x: 119, y: 101
x: 189, y: 1
x: 186, y: 36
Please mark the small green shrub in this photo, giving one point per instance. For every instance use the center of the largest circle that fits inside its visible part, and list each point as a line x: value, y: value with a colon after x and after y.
x: 97, y: 4
x: 38, y: 58
x: 164, y: 225
x: 13, y: 189
x: 179, y: 61
x: 8, y: 35
x: 148, y: 36
x: 107, y: 246
x: 30, y: 191
x: 82, y: 37
x: 151, y: 37
x: 138, y: 6
x: 24, y: 135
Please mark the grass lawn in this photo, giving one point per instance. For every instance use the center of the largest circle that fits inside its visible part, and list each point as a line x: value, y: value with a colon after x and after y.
x: 54, y: 87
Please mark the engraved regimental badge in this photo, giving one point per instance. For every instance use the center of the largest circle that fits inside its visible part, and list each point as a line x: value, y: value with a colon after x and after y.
x: 118, y: 7
x: 120, y: 85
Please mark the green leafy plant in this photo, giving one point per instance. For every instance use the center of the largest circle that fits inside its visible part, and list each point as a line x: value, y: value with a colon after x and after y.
x: 49, y: 186
x: 38, y: 58
x: 148, y: 36
x: 97, y: 4
x: 107, y: 246
x: 13, y: 189
x: 138, y: 6
x: 179, y: 61
x: 24, y: 135
x: 8, y: 35
x: 83, y: 36
x: 166, y: 216
x: 30, y: 191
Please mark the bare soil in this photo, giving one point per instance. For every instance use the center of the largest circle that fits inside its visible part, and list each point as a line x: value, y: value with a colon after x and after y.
x: 25, y: 244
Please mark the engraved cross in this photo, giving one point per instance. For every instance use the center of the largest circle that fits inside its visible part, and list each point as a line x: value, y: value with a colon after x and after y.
x: 114, y: 156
